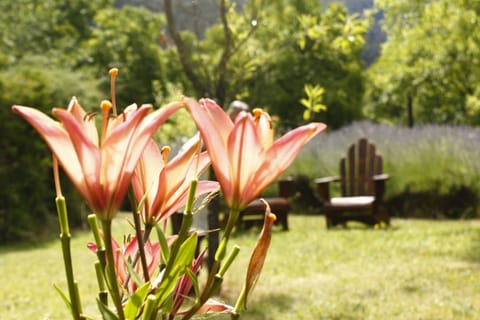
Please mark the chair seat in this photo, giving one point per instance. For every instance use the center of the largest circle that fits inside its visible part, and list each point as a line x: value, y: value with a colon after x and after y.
x: 276, y: 204
x: 360, y: 201
x: 254, y: 213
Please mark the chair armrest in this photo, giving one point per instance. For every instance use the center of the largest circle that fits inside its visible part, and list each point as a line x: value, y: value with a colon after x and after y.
x: 327, y: 180
x: 382, y: 176
x: 323, y: 187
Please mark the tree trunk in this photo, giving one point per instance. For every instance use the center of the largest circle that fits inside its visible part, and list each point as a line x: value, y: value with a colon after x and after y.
x: 410, y: 110
x: 200, y: 87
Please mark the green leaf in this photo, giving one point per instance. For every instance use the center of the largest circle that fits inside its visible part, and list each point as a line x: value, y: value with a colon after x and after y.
x: 168, y: 304
x: 306, y: 114
x: 133, y: 273
x: 194, y: 280
x: 164, y: 250
x: 187, y: 251
x: 107, y: 314
x: 64, y: 297
x: 305, y: 102
x: 182, y: 261
x: 319, y: 107
x: 308, y: 89
x: 136, y: 301
x: 302, y: 43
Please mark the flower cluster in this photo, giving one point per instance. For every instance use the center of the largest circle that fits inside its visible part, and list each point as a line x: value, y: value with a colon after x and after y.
x: 143, y: 278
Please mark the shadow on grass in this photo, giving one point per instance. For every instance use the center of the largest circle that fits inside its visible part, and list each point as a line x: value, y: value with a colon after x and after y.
x: 275, y: 304
x: 281, y: 302
x: 470, y: 233
x: 353, y: 225
x: 473, y: 252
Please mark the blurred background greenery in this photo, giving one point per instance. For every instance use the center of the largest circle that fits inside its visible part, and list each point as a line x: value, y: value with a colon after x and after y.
x: 398, y: 64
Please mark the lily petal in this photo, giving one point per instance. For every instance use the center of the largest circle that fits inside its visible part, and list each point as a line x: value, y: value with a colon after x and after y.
x: 245, y: 156
x: 58, y: 140
x: 215, y: 127
x: 83, y: 118
x: 280, y: 156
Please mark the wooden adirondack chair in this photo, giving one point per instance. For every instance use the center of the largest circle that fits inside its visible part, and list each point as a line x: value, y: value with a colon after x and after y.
x: 362, y: 186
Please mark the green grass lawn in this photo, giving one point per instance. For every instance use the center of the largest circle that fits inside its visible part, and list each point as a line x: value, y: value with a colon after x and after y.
x: 417, y: 269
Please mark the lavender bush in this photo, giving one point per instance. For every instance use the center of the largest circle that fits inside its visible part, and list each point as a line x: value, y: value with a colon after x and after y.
x: 429, y: 165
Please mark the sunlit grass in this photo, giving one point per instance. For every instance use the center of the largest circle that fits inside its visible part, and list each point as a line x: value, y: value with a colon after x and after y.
x: 418, y: 269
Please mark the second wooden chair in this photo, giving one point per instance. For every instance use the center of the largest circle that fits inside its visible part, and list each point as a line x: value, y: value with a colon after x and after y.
x: 362, y: 186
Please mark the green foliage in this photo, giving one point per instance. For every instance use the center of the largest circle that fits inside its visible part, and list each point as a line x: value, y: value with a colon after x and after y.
x: 195, y: 16
x: 253, y: 55
x: 353, y: 5
x: 321, y: 47
x: 134, y: 304
x: 313, y: 101
x: 128, y: 39
x: 430, y: 59
x: 52, y: 50
x: 49, y: 27
x: 219, y: 64
x: 27, y: 207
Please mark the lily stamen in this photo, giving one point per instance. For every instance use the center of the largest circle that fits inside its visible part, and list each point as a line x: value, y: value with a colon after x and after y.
x: 165, y: 153
x: 105, y: 105
x: 258, y: 112
x: 113, y: 75
x: 89, y: 116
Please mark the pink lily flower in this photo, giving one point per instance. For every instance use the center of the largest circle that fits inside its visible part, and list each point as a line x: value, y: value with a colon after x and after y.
x: 127, y: 252
x: 184, y: 285
x: 100, y: 168
x: 164, y: 185
x: 244, y: 155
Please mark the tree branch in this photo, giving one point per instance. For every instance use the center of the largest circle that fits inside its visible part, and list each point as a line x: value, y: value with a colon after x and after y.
x: 200, y: 87
x: 220, y: 88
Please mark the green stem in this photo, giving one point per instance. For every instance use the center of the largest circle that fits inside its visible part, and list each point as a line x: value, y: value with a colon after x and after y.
x: 184, y: 228
x: 140, y: 238
x: 229, y: 261
x: 146, y: 235
x: 215, y: 278
x: 110, y: 269
x: 239, y: 304
x: 222, y: 248
x: 141, y: 245
x: 232, y: 220
x: 92, y: 221
x: 67, y: 257
x: 149, y: 308
x: 103, y: 293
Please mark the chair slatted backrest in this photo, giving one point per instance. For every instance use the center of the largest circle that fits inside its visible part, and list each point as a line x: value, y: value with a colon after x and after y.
x: 358, y: 168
